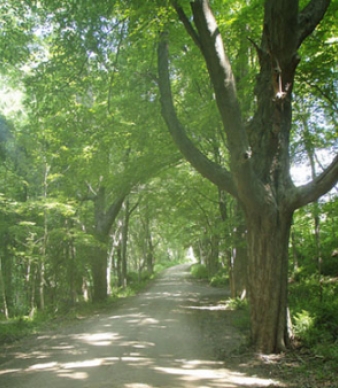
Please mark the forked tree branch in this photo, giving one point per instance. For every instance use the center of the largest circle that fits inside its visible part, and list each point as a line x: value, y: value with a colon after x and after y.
x: 310, y: 17
x: 206, y: 167
x: 113, y: 212
x: 187, y: 24
x: 220, y: 73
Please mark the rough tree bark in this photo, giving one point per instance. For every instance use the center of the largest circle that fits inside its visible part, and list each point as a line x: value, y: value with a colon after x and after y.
x: 259, y: 173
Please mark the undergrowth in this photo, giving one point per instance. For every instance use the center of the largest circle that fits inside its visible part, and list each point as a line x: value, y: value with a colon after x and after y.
x: 314, y: 309
x: 19, y: 327
x: 199, y: 271
x: 220, y: 279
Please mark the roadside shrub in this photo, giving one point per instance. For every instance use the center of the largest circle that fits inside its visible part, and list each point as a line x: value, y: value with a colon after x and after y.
x: 327, y: 319
x: 145, y: 276
x: 237, y: 303
x: 303, y: 325
x: 221, y: 279
x: 15, y: 329
x: 159, y: 267
x: 241, y: 319
x: 162, y: 265
x: 330, y: 266
x: 199, y: 271
x: 132, y: 277
x: 314, y: 307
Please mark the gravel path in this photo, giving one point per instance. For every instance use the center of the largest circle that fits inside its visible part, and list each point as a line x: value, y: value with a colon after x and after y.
x: 174, y: 335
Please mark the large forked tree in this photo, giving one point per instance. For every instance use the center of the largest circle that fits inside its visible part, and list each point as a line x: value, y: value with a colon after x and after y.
x: 259, y: 172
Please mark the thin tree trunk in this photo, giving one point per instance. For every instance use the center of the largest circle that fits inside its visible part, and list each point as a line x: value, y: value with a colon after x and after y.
x: 99, y: 272
x: 118, y: 265
x: 149, y: 247
x: 44, y: 242
x: 72, y: 271
x: 212, y: 260
x: 239, y: 262
x: 294, y: 252
x: 239, y: 255
x: 3, y: 302
x: 42, y: 285
x: 32, y: 280
x: 150, y: 254
x: 315, y: 209
x: 110, y: 264
x: 104, y: 218
x: 125, y: 229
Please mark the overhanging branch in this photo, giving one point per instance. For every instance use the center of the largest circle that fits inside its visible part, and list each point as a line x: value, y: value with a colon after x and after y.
x: 207, y: 168
x: 317, y: 187
x: 188, y: 26
x: 310, y: 17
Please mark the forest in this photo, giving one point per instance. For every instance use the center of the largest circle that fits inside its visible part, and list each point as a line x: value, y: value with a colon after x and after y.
x: 138, y: 134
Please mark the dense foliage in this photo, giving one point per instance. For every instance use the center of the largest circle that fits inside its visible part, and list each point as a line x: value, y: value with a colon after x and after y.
x: 92, y: 185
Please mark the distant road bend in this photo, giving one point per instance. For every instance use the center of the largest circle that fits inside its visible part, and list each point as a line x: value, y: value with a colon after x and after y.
x: 170, y: 335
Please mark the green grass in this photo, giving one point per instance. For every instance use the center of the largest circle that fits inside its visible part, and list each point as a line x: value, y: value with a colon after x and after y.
x: 17, y: 328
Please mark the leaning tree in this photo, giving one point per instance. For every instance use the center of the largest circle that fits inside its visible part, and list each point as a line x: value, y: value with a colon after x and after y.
x: 259, y: 168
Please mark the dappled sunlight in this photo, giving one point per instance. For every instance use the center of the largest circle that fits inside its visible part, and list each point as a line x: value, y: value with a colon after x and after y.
x: 9, y: 371
x: 98, y: 339
x: 158, y: 340
x: 207, y: 372
x: 46, y: 366
x: 137, y: 344
x: 74, y: 375
x: 148, y: 321
x: 211, y: 307
x: 84, y: 364
x: 174, y: 372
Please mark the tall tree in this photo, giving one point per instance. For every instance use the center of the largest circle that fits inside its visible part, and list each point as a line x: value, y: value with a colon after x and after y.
x: 259, y: 168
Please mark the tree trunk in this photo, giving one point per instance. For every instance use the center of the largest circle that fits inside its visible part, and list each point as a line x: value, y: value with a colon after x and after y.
x: 42, y: 284
x: 239, y: 262
x: 111, y: 264
x: 212, y: 258
x: 99, y: 273
x: 72, y: 271
x: 268, y: 238
x: 259, y: 175
x: 125, y: 229
x: 104, y: 219
x: 149, y: 246
x: 118, y: 265
x: 150, y: 252
x: 32, y: 274
x: 3, y: 303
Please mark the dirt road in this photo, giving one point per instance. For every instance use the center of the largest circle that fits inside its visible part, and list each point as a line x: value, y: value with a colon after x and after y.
x: 173, y: 335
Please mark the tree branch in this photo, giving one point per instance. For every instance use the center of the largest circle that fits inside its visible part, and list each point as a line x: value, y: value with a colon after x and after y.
x: 310, y: 17
x: 113, y: 212
x: 318, y: 186
x: 221, y: 75
x: 207, y: 168
x: 188, y: 26
x: 223, y: 80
